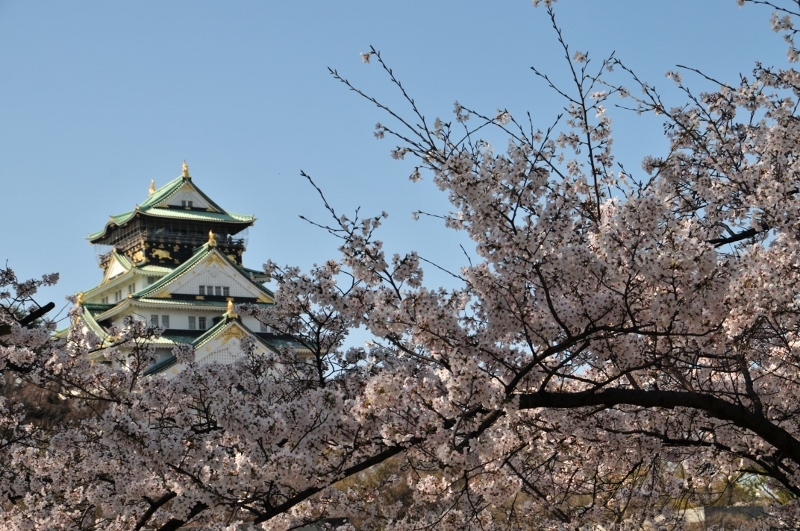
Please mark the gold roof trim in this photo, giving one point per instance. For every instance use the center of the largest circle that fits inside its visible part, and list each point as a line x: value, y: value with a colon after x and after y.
x: 234, y: 332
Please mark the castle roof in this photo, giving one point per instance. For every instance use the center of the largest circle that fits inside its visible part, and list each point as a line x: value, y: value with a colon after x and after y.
x: 226, y: 326
x: 158, y: 205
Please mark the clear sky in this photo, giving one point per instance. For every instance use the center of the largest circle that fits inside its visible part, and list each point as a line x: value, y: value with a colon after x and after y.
x: 97, y: 98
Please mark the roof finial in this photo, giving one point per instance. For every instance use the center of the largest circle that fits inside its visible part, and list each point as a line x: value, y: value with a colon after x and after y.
x: 79, y: 299
x: 212, y: 240
x: 186, y: 171
x: 231, y: 313
x: 152, y: 187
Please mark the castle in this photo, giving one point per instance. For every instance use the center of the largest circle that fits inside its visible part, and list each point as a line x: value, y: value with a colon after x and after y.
x: 175, y: 262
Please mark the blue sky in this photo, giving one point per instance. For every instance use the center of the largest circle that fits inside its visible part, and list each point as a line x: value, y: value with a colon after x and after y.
x: 97, y: 98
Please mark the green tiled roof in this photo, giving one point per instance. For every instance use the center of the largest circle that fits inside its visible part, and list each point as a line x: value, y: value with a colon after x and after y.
x: 149, y: 208
x: 202, y: 251
x: 105, y: 311
x: 160, y: 303
x: 179, y: 338
x: 197, y: 215
x: 213, y: 331
x: 223, y: 323
x: 96, y: 308
x: 88, y: 319
x: 256, y: 273
x: 172, y: 187
x: 91, y: 323
x: 179, y: 303
x: 116, y: 280
x: 272, y: 344
x: 150, y: 268
x: 280, y: 342
x: 123, y: 260
x: 161, y: 365
x: 196, y: 343
x: 163, y: 193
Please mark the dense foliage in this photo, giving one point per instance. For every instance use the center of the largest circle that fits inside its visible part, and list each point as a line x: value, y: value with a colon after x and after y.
x: 622, y: 345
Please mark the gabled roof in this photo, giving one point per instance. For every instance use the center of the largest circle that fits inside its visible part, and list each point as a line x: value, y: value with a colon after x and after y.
x: 112, y: 280
x: 204, y: 252
x: 156, y: 206
x: 87, y: 315
x: 227, y: 325
x: 158, y: 294
x: 119, y: 264
x: 223, y: 324
x: 255, y: 274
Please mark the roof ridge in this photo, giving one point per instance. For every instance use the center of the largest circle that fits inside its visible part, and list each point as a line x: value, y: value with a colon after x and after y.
x: 176, y: 273
x: 209, y: 335
x: 148, y: 207
x: 162, y: 193
x: 201, y: 252
x: 214, y: 330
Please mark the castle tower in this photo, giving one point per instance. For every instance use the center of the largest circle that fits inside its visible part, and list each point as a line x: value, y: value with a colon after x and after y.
x: 175, y: 263
x: 170, y: 224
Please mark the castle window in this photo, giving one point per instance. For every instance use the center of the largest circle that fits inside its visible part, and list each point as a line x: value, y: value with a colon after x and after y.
x: 201, y: 290
x: 201, y: 322
x: 154, y: 321
x: 165, y: 321
x: 218, y: 291
x: 105, y: 300
x: 183, y: 204
x: 118, y: 295
x: 226, y: 291
x: 264, y: 328
x: 190, y: 204
x: 192, y: 322
x: 131, y: 288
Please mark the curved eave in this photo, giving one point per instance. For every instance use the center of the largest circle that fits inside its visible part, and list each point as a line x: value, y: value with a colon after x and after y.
x: 91, y: 323
x: 112, y: 283
x: 144, y: 303
x: 199, y: 215
x: 228, y: 218
x: 211, y: 333
x: 115, y: 221
x: 256, y: 276
x: 272, y: 344
x: 161, y: 366
x: 115, y: 310
x: 277, y: 342
x: 223, y: 325
x: 154, y: 269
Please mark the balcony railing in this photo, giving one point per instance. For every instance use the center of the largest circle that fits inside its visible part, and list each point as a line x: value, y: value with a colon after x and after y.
x: 172, y: 236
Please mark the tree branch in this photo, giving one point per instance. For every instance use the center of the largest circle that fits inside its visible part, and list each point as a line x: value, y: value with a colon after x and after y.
x: 713, y: 407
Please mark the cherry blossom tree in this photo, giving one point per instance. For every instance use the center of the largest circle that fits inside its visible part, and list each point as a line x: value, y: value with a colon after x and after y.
x: 621, y: 343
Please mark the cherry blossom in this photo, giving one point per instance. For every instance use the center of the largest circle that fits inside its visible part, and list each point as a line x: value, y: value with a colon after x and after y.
x: 618, y: 346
